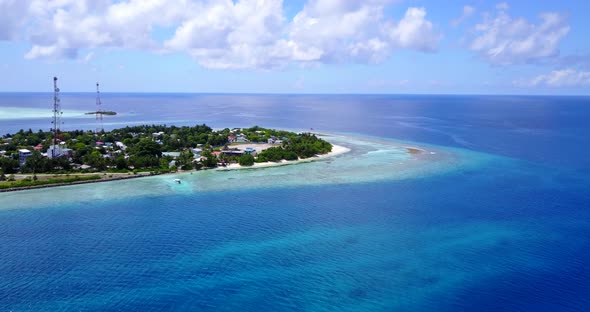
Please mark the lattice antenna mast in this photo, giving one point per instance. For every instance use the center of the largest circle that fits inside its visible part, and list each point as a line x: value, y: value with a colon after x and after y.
x: 99, y: 112
x: 57, y: 113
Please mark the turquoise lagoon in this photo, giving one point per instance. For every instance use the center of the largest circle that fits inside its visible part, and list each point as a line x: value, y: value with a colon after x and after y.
x: 368, y: 159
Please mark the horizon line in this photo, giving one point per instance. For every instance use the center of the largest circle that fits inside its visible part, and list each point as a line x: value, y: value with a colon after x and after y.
x: 297, y: 94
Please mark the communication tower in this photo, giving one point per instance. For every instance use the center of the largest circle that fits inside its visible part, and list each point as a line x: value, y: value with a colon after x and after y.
x: 56, y: 122
x: 99, y: 112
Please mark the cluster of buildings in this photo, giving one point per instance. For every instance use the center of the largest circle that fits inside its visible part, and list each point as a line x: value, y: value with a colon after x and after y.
x: 60, y: 150
x: 57, y: 150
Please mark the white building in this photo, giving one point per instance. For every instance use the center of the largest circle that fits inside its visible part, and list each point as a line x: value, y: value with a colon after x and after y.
x: 58, y: 151
x: 120, y: 145
x: 54, y: 151
x: 23, y: 154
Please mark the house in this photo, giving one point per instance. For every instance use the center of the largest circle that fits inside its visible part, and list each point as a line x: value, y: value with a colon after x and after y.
x: 2, y: 153
x: 232, y: 152
x: 241, y: 139
x: 23, y: 154
x: 231, y: 138
x: 38, y: 147
x: 249, y: 151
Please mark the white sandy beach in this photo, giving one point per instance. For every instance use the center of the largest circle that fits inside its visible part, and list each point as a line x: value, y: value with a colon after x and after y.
x: 336, y: 150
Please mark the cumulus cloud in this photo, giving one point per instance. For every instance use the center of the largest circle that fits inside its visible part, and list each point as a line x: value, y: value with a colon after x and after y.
x: 220, y: 33
x: 558, y: 78
x: 503, y: 40
x: 223, y: 34
x: 415, y: 32
x: 60, y: 28
x: 340, y: 31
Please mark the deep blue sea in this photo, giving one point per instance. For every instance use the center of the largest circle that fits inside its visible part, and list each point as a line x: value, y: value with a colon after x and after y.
x: 505, y: 228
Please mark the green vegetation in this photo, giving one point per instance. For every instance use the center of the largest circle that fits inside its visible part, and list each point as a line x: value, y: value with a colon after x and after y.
x: 151, y: 148
x: 8, y: 165
x: 302, y: 146
x: 209, y: 160
x: 246, y: 160
x: 35, y: 182
x: 107, y: 113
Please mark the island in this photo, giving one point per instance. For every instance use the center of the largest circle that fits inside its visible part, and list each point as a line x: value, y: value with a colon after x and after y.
x: 107, y: 113
x: 36, y: 159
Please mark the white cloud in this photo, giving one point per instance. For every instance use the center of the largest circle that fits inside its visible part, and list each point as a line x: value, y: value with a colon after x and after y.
x: 220, y: 33
x: 557, y: 79
x: 504, y: 40
x: 58, y: 29
x: 223, y: 34
x: 357, y: 31
x: 415, y: 32
x: 339, y: 31
x: 466, y: 14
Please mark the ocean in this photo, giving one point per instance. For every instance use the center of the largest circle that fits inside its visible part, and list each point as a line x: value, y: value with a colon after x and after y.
x: 493, y: 218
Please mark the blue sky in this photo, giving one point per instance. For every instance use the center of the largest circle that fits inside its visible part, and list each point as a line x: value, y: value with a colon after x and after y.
x: 311, y: 46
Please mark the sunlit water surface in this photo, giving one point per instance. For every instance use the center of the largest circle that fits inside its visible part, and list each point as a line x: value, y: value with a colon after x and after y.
x: 492, y: 217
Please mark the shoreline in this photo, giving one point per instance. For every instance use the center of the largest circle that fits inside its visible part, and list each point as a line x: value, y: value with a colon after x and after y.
x: 336, y: 150
x: 117, y: 178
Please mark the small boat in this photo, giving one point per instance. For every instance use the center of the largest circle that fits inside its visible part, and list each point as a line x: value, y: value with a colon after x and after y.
x: 177, y: 181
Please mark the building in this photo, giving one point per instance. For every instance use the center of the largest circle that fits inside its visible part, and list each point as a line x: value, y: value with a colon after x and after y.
x: 241, y: 139
x: 274, y: 140
x: 232, y: 152
x: 59, y: 151
x: 54, y: 151
x: 23, y: 154
x: 120, y: 145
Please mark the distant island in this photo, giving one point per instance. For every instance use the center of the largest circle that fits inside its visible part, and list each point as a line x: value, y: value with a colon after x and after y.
x: 31, y: 159
x: 108, y: 113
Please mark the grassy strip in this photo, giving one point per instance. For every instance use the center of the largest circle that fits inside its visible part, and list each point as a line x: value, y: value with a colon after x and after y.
x: 27, y: 183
